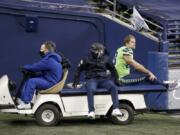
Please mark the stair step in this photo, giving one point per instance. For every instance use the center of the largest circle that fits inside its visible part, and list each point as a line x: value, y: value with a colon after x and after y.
x: 174, y: 57
x: 174, y: 45
x: 174, y: 28
x: 174, y: 63
x: 173, y: 33
x: 174, y: 51
x: 172, y: 39
x: 175, y: 23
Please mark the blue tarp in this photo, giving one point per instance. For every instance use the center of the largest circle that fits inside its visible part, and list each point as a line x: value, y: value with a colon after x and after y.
x: 159, y: 9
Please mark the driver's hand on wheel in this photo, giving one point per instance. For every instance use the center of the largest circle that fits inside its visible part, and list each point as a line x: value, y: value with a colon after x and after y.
x: 23, y: 70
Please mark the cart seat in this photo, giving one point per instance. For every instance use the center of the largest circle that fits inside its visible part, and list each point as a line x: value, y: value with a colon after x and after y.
x: 57, y: 87
x: 138, y: 88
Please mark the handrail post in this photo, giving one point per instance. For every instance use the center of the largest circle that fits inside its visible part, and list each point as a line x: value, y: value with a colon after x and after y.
x: 164, y: 43
x: 114, y: 8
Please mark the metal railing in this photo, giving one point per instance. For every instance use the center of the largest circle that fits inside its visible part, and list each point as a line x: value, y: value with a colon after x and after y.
x: 115, y: 13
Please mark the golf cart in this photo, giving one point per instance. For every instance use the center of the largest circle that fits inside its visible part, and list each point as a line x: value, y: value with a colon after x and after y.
x: 61, y: 100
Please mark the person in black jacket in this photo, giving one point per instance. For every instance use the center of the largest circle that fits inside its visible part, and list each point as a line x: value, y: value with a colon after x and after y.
x: 98, y: 70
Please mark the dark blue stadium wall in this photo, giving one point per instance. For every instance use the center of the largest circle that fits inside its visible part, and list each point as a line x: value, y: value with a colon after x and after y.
x: 73, y: 32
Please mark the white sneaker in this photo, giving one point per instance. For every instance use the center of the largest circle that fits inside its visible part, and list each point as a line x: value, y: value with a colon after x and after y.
x: 169, y: 82
x: 178, y: 85
x: 174, y: 85
x: 116, y: 112
x: 24, y: 106
x: 19, y: 101
x: 91, y: 115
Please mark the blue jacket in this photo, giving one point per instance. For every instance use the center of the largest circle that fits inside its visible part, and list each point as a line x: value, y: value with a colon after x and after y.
x: 50, y: 67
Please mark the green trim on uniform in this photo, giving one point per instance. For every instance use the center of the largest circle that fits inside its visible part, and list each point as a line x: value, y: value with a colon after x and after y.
x: 131, y: 81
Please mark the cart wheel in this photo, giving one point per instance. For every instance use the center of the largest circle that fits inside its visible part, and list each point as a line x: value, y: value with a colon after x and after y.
x: 47, y: 115
x: 126, y: 118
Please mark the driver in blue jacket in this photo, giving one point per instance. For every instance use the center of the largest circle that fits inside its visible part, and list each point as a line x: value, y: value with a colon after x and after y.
x: 50, y: 73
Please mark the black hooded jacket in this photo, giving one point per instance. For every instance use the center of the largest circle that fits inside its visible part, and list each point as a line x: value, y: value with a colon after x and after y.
x: 95, y: 68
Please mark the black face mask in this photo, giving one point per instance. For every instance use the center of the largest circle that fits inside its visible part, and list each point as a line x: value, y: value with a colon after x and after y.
x: 41, y: 54
x: 97, y: 54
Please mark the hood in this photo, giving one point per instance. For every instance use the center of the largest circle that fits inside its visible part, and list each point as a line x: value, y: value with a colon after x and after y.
x: 55, y: 56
